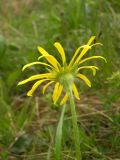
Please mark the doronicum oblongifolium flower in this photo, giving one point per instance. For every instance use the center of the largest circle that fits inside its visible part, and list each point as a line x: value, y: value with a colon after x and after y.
x: 62, y: 74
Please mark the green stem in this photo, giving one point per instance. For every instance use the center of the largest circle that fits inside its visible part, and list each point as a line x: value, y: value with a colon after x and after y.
x: 58, y: 138
x: 75, y: 126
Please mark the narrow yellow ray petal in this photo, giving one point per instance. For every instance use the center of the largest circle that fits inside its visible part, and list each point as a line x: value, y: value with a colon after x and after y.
x: 40, y: 57
x: 91, y: 40
x: 37, y: 76
x: 45, y: 87
x: 94, y: 71
x: 88, y: 46
x: 48, y: 57
x: 33, y: 63
x: 75, y: 91
x: 93, y: 57
x: 61, y: 51
x: 55, y: 92
x: 63, y: 101
x: 35, y: 86
x: 42, y: 51
x: 51, y: 59
x: 96, y: 44
x: 93, y: 68
x: 84, y: 78
x: 60, y: 88
x: 84, y: 51
x: 53, y: 67
x: 76, y: 53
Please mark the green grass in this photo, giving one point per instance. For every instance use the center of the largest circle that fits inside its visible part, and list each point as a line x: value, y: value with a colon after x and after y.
x: 28, y: 125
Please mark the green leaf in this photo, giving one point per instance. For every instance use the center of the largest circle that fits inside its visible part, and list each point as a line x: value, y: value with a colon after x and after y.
x: 2, y: 45
x: 24, y: 118
x: 58, y: 137
x: 22, y: 144
x: 3, y: 90
x: 13, y: 47
x: 4, y: 155
x: 13, y: 77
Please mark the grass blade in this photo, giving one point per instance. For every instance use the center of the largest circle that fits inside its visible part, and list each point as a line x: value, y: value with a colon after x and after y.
x: 58, y: 138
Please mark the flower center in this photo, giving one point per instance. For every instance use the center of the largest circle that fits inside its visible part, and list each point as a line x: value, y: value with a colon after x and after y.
x: 65, y: 77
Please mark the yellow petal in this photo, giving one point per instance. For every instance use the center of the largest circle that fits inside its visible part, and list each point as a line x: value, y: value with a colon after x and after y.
x: 60, y: 88
x: 93, y: 57
x: 45, y: 87
x: 42, y: 51
x: 55, y: 92
x: 33, y: 63
x: 96, y: 44
x: 82, y: 53
x: 35, y: 86
x: 38, y: 76
x: 84, y: 78
x: 63, y: 101
x: 75, y: 91
x: 51, y: 59
x: 91, y: 40
x: 93, y: 68
x: 61, y: 51
x: 88, y: 46
x: 40, y: 57
x: 76, y: 53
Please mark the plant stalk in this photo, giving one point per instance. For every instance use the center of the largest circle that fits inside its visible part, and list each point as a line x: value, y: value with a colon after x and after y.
x: 58, y: 138
x: 75, y: 126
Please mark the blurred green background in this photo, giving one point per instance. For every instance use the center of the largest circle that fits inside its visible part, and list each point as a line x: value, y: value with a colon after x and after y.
x: 27, y: 125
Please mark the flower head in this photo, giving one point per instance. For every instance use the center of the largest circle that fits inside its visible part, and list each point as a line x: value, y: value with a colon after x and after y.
x: 62, y: 74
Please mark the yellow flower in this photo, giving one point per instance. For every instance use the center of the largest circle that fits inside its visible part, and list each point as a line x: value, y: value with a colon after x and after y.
x: 63, y: 74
